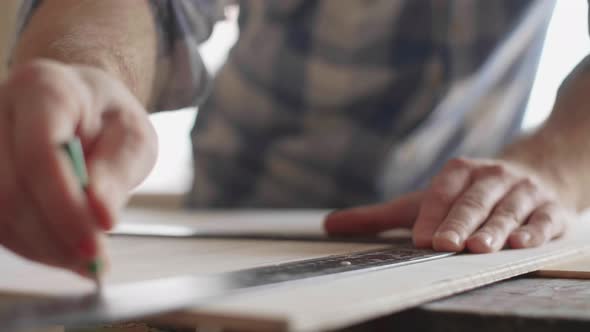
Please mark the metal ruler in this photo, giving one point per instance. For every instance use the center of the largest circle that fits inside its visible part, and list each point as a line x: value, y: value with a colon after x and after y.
x: 137, y: 300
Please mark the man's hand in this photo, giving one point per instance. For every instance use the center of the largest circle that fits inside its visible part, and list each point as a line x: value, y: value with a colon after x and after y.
x: 481, y: 205
x: 46, y: 216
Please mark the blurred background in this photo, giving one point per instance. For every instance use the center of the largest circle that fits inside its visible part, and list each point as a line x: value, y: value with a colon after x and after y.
x: 567, y: 42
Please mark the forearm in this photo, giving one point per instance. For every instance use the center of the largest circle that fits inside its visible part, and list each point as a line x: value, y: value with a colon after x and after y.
x: 560, y: 150
x: 116, y: 36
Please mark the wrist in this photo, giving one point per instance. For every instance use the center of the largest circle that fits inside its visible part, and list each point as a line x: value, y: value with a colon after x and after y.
x: 529, y: 155
x: 108, y: 62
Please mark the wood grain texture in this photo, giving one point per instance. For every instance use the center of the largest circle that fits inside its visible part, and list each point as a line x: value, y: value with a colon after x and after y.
x: 576, y: 268
x: 307, y: 305
x: 521, y: 304
x: 523, y: 297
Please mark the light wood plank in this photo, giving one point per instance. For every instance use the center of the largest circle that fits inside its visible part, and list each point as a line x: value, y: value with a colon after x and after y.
x: 307, y: 305
x: 338, y: 302
x: 142, y: 258
x: 576, y: 268
x: 524, y: 298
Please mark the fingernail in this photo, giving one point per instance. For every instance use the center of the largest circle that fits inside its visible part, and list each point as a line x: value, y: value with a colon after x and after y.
x: 87, y: 247
x: 524, y: 237
x: 486, y: 239
x: 450, y: 236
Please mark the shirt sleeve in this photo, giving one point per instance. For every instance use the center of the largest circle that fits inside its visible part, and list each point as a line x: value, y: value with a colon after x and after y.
x: 25, y: 11
x: 181, y: 78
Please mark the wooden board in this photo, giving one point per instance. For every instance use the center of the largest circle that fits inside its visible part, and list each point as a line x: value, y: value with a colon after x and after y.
x: 143, y: 258
x: 576, y: 268
x: 551, y: 299
x: 520, y: 304
x: 307, y: 305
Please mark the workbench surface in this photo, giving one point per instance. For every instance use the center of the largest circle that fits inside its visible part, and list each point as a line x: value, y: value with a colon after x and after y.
x: 521, y: 304
x: 335, y: 302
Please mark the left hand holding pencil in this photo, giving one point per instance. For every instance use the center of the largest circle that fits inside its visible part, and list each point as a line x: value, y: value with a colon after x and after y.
x: 46, y: 215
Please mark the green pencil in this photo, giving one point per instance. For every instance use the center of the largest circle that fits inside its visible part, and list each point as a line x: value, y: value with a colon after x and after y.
x: 74, y: 150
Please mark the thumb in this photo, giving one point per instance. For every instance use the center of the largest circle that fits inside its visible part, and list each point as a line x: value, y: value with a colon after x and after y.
x: 372, y: 219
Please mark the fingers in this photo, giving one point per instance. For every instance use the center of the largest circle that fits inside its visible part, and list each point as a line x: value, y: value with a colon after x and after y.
x: 546, y: 223
x: 48, y: 217
x: 22, y: 230
x: 373, y: 219
x: 509, y: 214
x: 41, y: 125
x: 122, y: 156
x: 9, y: 237
x: 438, y: 199
x: 37, y: 241
x: 472, y: 207
x: 478, y: 204
x: 483, y: 204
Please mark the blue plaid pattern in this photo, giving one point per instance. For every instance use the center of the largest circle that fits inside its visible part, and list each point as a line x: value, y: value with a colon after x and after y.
x: 323, y: 103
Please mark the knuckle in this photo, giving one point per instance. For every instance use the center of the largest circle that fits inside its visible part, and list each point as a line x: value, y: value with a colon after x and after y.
x: 138, y: 137
x: 545, y: 227
x: 531, y: 189
x: 439, y: 195
x: 503, y: 225
x: 125, y: 116
x: 32, y: 71
x: 544, y: 215
x: 128, y: 123
x: 545, y: 223
x: 496, y: 170
x: 56, y: 95
x: 507, y: 212
x: 458, y: 163
x: 44, y: 79
x: 528, y: 184
x: 472, y: 201
x: 456, y: 225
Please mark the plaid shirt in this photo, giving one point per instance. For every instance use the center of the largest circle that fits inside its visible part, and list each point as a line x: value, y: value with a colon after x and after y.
x: 334, y: 103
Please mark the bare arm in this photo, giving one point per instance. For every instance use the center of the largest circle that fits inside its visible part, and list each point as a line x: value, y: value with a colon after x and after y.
x: 522, y: 199
x: 116, y: 36
x: 560, y: 150
x: 80, y: 68
x: 88, y: 68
